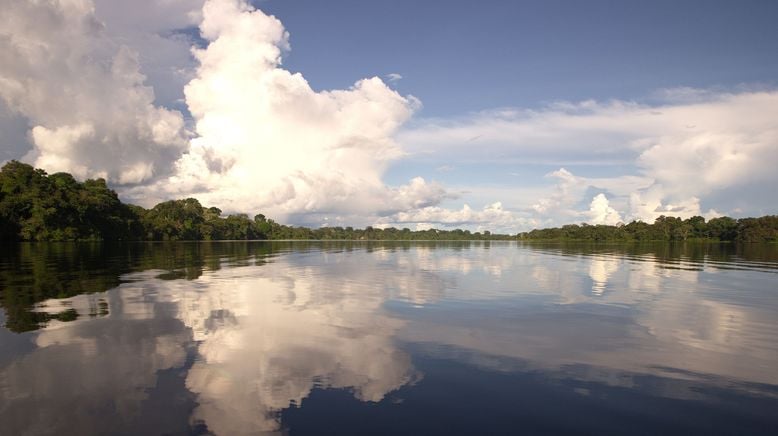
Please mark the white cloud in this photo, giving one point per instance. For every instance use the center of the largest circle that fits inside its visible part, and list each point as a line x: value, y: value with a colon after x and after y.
x: 161, y: 32
x: 491, y: 217
x: 394, y: 77
x: 647, y: 205
x: 600, y: 211
x: 562, y: 196
x: 560, y: 205
x: 640, y: 197
x: 672, y: 156
x: 74, y: 76
x: 83, y: 95
x: 712, y: 213
x: 267, y: 141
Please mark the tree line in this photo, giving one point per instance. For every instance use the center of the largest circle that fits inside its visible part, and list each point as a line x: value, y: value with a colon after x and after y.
x: 36, y: 206
x: 667, y: 228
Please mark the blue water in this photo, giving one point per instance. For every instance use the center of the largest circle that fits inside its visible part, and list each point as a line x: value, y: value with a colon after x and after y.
x: 366, y: 338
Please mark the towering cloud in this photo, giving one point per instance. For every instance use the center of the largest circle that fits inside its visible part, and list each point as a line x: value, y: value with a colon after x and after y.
x: 600, y: 211
x: 83, y: 95
x: 267, y: 141
x: 91, y: 84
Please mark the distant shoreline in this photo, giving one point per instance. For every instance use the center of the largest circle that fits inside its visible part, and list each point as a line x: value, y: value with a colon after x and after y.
x: 36, y: 206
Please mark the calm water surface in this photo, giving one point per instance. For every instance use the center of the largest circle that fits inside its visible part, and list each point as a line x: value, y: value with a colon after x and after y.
x: 417, y: 338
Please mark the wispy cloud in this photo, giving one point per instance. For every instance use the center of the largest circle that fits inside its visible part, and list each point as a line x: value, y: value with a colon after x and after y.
x: 393, y: 77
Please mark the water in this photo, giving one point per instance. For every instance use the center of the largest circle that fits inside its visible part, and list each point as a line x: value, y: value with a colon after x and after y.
x: 400, y: 338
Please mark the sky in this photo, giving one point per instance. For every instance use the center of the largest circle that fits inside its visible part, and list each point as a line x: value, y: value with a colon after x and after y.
x: 498, y: 115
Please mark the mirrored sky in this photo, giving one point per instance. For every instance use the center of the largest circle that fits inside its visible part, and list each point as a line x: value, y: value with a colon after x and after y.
x: 232, y: 348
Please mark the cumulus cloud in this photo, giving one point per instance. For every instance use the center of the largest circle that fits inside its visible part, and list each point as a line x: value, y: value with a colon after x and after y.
x: 161, y: 32
x: 647, y: 205
x: 641, y: 198
x: 263, y: 140
x: 83, y: 95
x: 562, y: 196
x: 676, y: 153
x: 561, y: 203
x: 491, y: 217
x: 91, y: 84
x: 600, y: 211
x: 267, y: 141
x: 152, y: 17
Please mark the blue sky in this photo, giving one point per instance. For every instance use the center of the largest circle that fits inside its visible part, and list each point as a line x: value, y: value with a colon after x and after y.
x: 459, y: 57
x: 504, y: 115
x: 462, y: 56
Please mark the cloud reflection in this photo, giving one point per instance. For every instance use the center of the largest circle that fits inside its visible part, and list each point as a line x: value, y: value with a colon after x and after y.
x: 266, y: 338
x: 615, y: 314
x: 250, y: 336
x: 600, y: 271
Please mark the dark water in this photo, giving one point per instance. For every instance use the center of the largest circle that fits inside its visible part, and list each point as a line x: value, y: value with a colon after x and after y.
x: 405, y: 338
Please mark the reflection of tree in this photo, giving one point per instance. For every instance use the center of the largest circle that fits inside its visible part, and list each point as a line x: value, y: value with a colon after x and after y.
x: 33, y: 273
x: 92, y: 378
x: 37, y: 272
x: 692, y: 254
x: 267, y: 323
x: 267, y: 329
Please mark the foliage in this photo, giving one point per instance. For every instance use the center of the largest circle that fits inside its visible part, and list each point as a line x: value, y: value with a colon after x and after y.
x: 764, y: 229
x: 35, y: 206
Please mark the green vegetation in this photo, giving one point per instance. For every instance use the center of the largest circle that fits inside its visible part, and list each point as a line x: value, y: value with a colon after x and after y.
x: 764, y: 229
x: 35, y: 206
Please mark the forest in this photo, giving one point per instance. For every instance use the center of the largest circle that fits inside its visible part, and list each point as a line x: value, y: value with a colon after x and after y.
x: 36, y: 206
x: 667, y: 228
